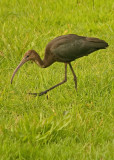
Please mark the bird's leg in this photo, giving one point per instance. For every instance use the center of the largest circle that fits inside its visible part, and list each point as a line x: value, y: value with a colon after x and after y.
x: 44, y: 92
x: 75, y: 78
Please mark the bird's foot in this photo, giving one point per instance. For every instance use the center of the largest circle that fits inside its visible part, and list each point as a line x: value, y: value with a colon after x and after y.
x: 42, y: 93
x: 38, y: 94
x: 34, y: 94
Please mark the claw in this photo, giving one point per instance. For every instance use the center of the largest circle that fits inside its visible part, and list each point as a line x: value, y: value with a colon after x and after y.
x: 34, y: 94
x: 38, y: 94
x: 41, y: 93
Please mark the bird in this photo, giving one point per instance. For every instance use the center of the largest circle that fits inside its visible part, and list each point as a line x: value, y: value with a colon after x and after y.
x: 65, y: 49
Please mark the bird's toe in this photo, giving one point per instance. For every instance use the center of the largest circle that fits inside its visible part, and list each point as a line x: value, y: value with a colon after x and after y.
x: 42, y: 93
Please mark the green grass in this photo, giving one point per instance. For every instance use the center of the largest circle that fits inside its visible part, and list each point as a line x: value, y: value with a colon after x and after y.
x: 65, y: 125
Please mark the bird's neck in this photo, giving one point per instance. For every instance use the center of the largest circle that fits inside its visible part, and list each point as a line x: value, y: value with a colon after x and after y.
x: 45, y: 62
x: 39, y: 61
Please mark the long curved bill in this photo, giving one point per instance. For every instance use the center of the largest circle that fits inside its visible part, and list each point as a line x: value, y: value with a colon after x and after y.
x: 20, y: 64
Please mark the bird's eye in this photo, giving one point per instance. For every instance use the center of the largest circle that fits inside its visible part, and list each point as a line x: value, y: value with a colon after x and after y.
x: 27, y: 56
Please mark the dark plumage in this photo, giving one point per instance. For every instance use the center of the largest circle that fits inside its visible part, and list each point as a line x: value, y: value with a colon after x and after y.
x: 65, y: 49
x: 69, y: 47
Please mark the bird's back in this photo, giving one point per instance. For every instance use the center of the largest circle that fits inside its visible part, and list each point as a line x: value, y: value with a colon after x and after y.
x: 67, y: 48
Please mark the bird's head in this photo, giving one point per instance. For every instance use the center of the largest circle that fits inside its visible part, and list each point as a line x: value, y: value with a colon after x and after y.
x: 29, y: 55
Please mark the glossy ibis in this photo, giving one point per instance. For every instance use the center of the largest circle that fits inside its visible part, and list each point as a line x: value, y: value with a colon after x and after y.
x: 64, y: 49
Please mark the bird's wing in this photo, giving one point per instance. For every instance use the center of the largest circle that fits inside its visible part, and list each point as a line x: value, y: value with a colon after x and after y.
x: 59, y: 47
x: 97, y: 43
x: 70, y: 47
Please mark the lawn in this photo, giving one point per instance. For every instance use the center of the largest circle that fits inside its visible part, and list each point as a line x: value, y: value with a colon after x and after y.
x: 62, y: 125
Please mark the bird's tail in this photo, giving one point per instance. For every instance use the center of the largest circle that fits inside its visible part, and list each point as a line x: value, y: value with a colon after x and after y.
x: 98, y: 43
